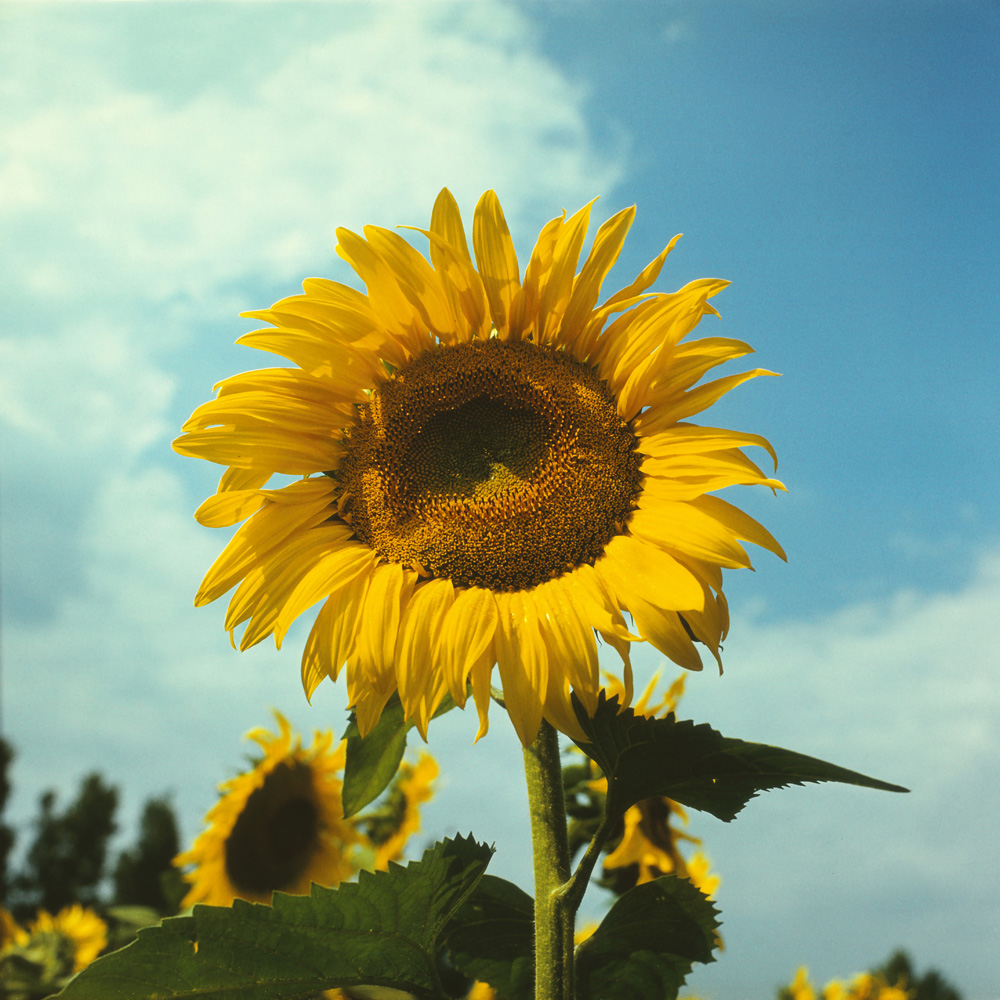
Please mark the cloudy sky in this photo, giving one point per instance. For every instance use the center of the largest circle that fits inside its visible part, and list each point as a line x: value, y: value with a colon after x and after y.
x: 163, y: 167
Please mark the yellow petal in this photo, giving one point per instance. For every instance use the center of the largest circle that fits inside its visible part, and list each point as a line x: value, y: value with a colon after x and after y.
x: 446, y: 221
x: 467, y: 630
x: 557, y: 287
x: 674, y: 406
x: 639, y: 569
x: 333, y: 570
x: 416, y: 279
x: 646, y: 277
x: 496, y: 258
x: 464, y: 286
x: 224, y: 509
x: 742, y: 525
x: 387, y: 592
x: 572, y: 649
x: 281, y: 573
x: 270, y: 527
x: 333, y: 634
x: 523, y: 314
x: 689, y: 439
x: 243, y: 479
x: 480, y: 676
x: 522, y: 660
x: 559, y: 708
x: 726, y: 467
x: 419, y: 627
x: 683, y: 527
x: 390, y: 305
x: 606, y: 248
x: 348, y: 369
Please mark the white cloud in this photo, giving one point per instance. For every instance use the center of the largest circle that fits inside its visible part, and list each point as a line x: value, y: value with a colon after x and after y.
x: 903, y: 690
x: 110, y: 191
x: 85, y: 392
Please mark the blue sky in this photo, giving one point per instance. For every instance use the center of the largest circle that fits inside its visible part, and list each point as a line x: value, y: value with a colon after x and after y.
x: 163, y: 167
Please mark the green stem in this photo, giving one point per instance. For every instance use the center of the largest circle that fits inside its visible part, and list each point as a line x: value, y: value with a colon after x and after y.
x: 572, y: 890
x: 554, y: 917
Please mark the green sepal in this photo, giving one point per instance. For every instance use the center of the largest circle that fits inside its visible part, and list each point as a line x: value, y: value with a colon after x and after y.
x: 648, y: 942
x: 372, y: 761
x: 694, y: 764
x: 492, y: 938
x: 382, y: 930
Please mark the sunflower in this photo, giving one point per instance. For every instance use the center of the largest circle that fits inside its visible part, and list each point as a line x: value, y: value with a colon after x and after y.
x: 9, y: 929
x: 77, y: 929
x: 865, y: 986
x: 391, y: 826
x: 492, y: 470
x: 278, y: 826
x: 649, y: 844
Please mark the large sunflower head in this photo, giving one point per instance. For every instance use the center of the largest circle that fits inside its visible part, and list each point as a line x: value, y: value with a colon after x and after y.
x: 277, y: 827
x: 493, y: 471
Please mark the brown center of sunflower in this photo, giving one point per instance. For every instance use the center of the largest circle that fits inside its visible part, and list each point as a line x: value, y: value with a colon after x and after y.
x: 497, y: 464
x: 275, y: 837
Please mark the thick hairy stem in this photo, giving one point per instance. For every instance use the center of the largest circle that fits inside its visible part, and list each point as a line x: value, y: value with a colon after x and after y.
x: 554, y: 915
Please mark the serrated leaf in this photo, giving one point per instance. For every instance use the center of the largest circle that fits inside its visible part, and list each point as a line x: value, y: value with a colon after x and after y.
x: 491, y: 938
x: 648, y: 942
x: 372, y: 762
x: 380, y: 931
x: 694, y: 764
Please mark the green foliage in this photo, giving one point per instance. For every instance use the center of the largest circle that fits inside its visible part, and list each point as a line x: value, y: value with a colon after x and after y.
x: 584, y: 806
x: 65, y: 863
x: 6, y: 833
x: 37, y: 968
x: 492, y: 938
x: 372, y: 762
x: 145, y: 875
x: 648, y: 942
x: 930, y: 986
x: 383, y: 930
x: 694, y: 764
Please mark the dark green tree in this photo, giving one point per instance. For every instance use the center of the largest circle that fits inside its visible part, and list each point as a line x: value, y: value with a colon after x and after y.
x: 65, y: 863
x: 145, y: 875
x: 6, y: 833
x: 930, y: 986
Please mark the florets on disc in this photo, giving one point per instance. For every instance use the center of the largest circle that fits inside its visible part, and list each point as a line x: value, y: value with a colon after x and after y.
x: 522, y: 479
x: 496, y: 464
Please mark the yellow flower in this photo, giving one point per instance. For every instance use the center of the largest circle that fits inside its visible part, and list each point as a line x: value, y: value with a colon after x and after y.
x: 84, y: 930
x: 278, y: 826
x: 864, y: 986
x: 650, y: 840
x: 9, y: 929
x: 481, y: 991
x: 491, y: 469
x: 799, y: 989
x: 412, y: 787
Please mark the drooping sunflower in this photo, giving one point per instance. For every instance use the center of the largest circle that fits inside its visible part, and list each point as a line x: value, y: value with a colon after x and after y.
x: 649, y: 844
x: 492, y: 471
x: 277, y: 827
x: 391, y: 823
x: 75, y: 931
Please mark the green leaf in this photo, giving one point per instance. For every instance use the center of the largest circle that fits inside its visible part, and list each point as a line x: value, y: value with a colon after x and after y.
x: 694, y: 764
x: 648, y: 942
x: 382, y: 930
x: 492, y: 938
x: 372, y: 761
